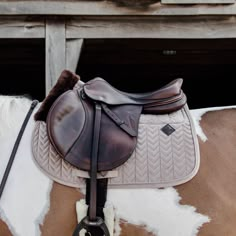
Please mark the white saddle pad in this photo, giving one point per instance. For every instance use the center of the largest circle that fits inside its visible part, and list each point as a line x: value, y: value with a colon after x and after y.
x: 159, y: 160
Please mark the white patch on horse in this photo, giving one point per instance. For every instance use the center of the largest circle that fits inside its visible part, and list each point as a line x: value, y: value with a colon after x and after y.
x: 12, y: 112
x: 158, y: 210
x: 197, y: 116
x: 25, y: 199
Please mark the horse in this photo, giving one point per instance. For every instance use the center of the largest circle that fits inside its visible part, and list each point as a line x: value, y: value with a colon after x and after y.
x: 32, y: 204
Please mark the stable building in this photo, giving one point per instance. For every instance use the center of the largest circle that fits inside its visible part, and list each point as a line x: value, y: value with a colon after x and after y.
x: 136, y: 45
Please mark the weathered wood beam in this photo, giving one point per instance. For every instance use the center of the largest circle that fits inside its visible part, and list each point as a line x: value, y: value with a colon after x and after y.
x: 21, y: 27
x: 73, y: 52
x: 55, y: 51
x: 92, y: 8
x: 198, y: 1
x: 174, y: 27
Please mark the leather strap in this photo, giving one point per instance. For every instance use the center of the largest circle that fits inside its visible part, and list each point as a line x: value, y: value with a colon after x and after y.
x: 92, y: 223
x: 101, y: 200
x: 94, y: 161
x: 16, y: 145
x: 118, y: 121
x: 101, y: 195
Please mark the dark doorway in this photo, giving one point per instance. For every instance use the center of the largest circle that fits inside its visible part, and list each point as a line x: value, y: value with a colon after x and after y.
x: 22, y: 67
x: 208, y: 67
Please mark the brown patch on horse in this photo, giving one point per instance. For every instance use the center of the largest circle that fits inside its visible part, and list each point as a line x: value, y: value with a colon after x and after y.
x: 212, y: 191
x: 4, y: 231
x: 133, y: 230
x: 61, y: 218
x: 66, y: 81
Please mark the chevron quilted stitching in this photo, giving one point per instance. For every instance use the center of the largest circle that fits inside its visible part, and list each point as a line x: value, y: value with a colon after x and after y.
x: 189, y: 151
x: 177, y: 117
x: 43, y: 146
x: 179, y: 161
x: 166, y: 157
x: 54, y: 164
x: 141, y: 155
x: 128, y: 170
x: 50, y: 161
x: 119, y: 179
x: 158, y: 160
x: 153, y: 156
x: 66, y: 170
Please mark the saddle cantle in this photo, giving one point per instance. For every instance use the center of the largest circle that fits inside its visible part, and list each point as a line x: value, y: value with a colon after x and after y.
x: 70, y: 121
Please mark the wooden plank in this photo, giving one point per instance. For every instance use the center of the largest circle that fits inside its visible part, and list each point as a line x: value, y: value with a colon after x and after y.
x: 108, y: 8
x: 156, y: 51
x: 55, y: 51
x: 185, y: 27
x: 143, y: 45
x: 73, y: 52
x: 197, y: 1
x: 21, y: 27
x: 160, y: 57
x: 65, y: 8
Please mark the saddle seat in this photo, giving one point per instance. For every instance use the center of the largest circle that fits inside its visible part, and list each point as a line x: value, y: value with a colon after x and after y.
x: 163, y: 100
x: 71, y: 121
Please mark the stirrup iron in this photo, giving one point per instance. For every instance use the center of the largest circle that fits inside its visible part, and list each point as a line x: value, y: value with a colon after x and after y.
x: 85, y: 223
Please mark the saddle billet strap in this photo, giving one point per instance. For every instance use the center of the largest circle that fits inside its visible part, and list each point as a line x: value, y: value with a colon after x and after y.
x: 92, y: 222
x: 94, y: 160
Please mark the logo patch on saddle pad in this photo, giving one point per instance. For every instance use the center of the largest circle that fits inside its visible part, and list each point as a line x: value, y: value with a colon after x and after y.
x: 167, y: 129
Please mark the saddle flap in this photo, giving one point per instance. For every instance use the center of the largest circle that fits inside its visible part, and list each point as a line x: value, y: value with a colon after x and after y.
x: 65, y: 121
x: 70, y: 123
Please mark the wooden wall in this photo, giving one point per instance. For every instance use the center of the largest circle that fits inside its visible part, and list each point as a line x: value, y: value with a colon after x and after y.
x: 65, y: 25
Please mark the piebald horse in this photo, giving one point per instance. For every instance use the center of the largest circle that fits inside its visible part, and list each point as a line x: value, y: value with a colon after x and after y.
x: 34, y: 205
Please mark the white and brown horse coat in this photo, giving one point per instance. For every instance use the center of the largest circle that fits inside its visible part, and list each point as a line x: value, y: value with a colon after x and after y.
x: 211, y: 192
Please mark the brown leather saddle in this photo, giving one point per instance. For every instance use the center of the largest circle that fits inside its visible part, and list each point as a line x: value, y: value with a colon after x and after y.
x: 95, y: 129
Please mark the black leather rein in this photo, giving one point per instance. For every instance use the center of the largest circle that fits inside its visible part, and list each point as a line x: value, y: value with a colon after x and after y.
x: 16, y: 145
